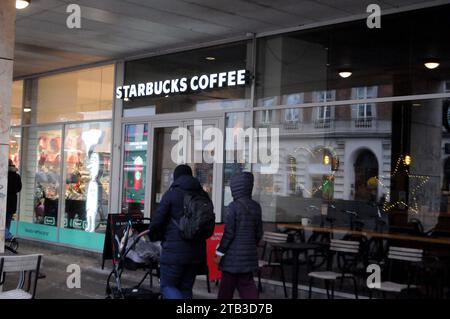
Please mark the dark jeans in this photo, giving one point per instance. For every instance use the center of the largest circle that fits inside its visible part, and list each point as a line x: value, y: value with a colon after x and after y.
x: 243, y: 282
x: 8, y: 234
x: 177, y: 280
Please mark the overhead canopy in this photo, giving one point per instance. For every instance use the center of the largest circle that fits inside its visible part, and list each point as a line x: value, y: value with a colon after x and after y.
x: 113, y: 29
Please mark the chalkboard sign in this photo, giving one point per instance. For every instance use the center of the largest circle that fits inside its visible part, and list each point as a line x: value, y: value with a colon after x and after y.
x: 115, y: 230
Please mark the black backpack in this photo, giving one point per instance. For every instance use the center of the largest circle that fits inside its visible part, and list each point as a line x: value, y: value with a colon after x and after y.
x: 198, y: 219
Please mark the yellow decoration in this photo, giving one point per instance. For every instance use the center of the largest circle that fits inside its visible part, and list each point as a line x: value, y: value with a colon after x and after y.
x: 372, y: 182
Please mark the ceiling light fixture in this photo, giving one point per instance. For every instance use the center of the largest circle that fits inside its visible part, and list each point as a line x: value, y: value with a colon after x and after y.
x: 27, y: 110
x: 345, y: 74
x: 210, y: 58
x: 22, y: 4
x: 432, y: 65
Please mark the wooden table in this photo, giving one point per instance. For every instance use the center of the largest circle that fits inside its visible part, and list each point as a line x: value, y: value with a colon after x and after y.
x: 369, y: 233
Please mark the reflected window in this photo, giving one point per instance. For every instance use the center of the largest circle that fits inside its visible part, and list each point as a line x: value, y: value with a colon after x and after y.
x: 365, y: 110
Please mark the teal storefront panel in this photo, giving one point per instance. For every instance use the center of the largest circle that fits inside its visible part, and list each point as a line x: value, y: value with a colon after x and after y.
x: 13, y: 228
x: 82, y: 239
x: 38, y: 231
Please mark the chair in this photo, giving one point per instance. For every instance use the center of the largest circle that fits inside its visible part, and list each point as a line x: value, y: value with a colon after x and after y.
x: 409, y: 256
x: 345, y: 252
x: 26, y: 266
x: 268, y: 239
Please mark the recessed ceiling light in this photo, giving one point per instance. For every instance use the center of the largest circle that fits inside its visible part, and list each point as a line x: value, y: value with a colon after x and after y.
x: 167, y: 95
x: 345, y: 74
x: 431, y: 65
x: 210, y: 58
x: 27, y: 110
x: 126, y: 99
x: 22, y: 4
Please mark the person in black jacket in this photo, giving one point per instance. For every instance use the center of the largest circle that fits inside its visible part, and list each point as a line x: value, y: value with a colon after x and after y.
x: 14, y: 187
x: 180, y: 259
x: 237, y: 254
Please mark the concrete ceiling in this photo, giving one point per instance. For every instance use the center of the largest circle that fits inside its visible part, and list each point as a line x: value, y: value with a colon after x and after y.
x: 112, y: 29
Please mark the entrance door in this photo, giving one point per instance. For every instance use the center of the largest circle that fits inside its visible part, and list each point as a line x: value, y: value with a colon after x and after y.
x: 189, y: 150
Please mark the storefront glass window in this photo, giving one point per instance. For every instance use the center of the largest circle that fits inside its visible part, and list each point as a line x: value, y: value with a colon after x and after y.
x: 41, y: 175
x: 78, y: 96
x: 322, y: 162
x: 14, y: 145
x: 199, y: 62
x: 87, y: 168
x: 134, y: 168
x: 16, y: 103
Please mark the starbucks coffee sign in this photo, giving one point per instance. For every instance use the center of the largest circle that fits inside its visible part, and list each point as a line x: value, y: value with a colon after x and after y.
x: 196, y: 83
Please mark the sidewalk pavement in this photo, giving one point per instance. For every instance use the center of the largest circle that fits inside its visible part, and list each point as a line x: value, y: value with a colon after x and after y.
x: 93, y: 278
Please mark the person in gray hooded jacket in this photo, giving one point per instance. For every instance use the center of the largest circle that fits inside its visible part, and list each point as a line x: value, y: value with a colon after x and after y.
x: 237, y: 254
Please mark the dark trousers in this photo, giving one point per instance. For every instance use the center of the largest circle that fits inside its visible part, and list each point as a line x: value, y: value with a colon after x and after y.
x: 243, y: 282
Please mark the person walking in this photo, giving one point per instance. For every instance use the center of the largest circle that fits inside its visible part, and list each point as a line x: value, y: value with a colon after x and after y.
x: 14, y: 187
x: 181, y: 259
x: 237, y: 254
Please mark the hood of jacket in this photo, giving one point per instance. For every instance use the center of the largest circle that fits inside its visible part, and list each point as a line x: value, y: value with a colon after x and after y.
x: 241, y: 185
x: 187, y: 183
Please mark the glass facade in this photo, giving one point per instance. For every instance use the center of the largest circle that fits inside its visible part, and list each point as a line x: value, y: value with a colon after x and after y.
x: 362, y: 157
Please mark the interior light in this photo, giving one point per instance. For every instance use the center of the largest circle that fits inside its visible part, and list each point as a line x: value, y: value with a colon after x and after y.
x: 210, y: 58
x: 27, y: 110
x: 126, y: 99
x: 432, y: 65
x: 326, y: 159
x: 22, y: 4
x: 345, y: 74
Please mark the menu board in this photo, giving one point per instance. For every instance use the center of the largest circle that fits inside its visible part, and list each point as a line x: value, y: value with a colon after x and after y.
x: 115, y: 231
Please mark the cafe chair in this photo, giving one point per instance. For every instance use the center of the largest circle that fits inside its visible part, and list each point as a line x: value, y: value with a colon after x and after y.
x: 274, y: 259
x: 342, y: 261
x: 28, y: 269
x: 411, y: 259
